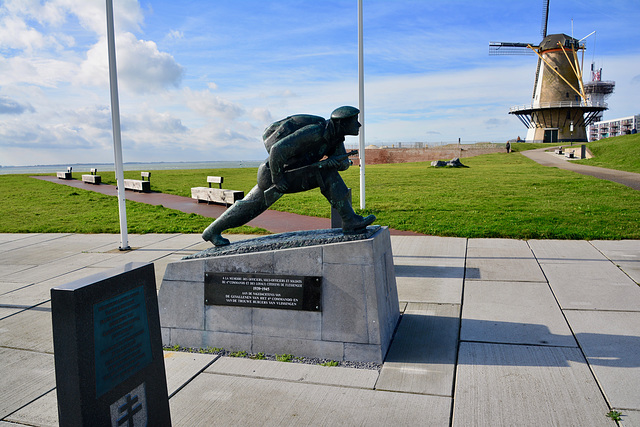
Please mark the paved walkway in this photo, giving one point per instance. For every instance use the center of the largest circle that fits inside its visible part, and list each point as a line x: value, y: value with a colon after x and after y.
x: 630, y: 179
x: 494, y: 333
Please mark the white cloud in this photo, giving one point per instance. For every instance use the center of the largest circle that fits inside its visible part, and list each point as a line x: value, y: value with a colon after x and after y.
x: 15, y: 34
x: 207, y: 104
x: 142, y: 68
x: 40, y: 71
x: 263, y: 115
x: 175, y: 35
x: 92, y: 14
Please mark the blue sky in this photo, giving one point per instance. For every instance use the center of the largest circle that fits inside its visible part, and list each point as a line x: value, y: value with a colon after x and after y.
x: 200, y: 80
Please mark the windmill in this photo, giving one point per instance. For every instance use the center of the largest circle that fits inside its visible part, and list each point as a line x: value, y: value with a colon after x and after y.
x: 560, y: 110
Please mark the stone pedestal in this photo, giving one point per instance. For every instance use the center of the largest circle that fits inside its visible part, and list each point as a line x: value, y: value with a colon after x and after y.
x: 359, y: 302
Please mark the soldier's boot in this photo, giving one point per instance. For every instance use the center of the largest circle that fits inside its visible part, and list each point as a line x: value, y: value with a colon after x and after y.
x: 238, y: 214
x: 352, y: 223
x: 356, y: 224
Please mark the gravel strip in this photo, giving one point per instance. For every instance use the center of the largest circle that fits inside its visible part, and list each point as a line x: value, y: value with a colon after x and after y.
x: 287, y: 358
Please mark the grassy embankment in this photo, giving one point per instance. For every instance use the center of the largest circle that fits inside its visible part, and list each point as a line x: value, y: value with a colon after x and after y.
x: 499, y: 195
x: 618, y: 152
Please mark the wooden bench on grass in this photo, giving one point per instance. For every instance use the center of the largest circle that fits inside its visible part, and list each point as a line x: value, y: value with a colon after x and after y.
x: 93, y: 178
x: 216, y: 195
x: 64, y: 175
x: 139, y: 184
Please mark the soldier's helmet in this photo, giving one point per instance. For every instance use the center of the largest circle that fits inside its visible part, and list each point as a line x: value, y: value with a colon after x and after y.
x: 344, y: 113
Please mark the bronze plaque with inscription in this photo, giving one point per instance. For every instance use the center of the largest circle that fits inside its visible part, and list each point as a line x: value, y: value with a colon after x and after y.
x: 263, y: 290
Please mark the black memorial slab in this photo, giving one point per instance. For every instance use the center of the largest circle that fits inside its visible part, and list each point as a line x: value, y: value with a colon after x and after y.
x: 263, y: 290
x: 108, y: 350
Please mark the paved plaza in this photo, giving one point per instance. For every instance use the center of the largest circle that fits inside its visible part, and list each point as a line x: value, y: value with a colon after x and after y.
x: 494, y: 332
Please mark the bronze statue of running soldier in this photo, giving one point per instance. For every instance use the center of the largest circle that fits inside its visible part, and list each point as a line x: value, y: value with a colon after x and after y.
x: 305, y: 152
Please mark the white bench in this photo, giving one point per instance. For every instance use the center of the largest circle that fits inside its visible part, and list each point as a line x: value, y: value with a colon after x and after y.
x: 216, y: 195
x: 64, y: 175
x: 139, y: 184
x: 93, y: 178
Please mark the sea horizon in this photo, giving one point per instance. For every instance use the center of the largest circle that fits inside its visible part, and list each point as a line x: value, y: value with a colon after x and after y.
x: 129, y: 166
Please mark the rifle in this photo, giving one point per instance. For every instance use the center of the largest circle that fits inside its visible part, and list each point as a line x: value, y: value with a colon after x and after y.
x: 272, y: 194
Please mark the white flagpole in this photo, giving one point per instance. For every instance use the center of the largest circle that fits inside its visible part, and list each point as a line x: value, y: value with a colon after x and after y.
x: 115, y: 123
x: 361, y: 103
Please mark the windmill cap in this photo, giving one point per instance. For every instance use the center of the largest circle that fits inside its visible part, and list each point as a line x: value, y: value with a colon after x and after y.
x: 344, y: 112
x: 552, y: 40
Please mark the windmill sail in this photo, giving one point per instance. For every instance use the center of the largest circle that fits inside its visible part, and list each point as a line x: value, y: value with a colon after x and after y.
x: 505, y: 48
x: 545, y: 18
x: 543, y: 32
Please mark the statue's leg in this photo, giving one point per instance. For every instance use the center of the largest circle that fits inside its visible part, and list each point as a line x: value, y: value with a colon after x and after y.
x: 238, y: 214
x: 337, y: 193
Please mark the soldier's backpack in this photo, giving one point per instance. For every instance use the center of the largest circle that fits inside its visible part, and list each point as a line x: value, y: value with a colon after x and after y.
x: 285, y: 127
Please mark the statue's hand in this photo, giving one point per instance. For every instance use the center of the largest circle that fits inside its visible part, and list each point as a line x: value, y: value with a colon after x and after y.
x: 331, y: 163
x: 344, y: 165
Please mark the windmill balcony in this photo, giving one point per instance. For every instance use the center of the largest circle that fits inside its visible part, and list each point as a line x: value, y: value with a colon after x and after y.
x: 557, y: 104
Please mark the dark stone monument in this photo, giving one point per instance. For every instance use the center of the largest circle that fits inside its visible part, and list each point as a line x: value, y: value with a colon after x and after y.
x: 317, y: 293
x: 108, y: 350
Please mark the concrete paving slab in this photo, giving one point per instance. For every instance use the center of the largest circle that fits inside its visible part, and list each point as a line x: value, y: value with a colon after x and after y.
x: 16, y: 241
x: 623, y: 253
x: 501, y: 260
x: 11, y: 237
x: 54, y: 249
x: 144, y: 240
x: 6, y: 287
x: 429, y: 290
x: 252, y: 401
x: 564, y: 251
x: 592, y: 285
x: 153, y: 248
x: 8, y: 311
x: 43, y: 412
x: 429, y: 269
x: 422, y: 355
x: 51, y: 269
x: 517, y: 385
x: 37, y: 293
x: 513, y: 313
x: 297, y: 372
x: 611, y: 342
x: 430, y: 247
x: 28, y: 330
x: 629, y: 418
x: 181, y: 367
x: 7, y: 269
x: 26, y: 375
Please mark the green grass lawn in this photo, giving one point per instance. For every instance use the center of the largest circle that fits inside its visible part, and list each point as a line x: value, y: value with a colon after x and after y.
x: 618, y: 152
x: 33, y: 206
x: 498, y: 195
